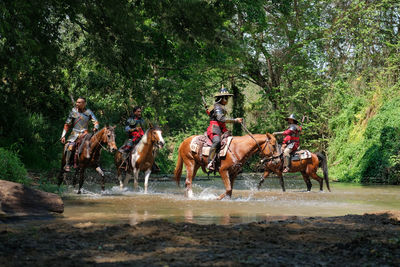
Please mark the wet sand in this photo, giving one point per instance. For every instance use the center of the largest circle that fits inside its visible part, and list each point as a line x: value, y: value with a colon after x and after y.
x: 351, y: 240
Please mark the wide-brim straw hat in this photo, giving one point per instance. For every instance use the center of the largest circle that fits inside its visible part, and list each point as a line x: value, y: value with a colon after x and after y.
x: 223, y: 92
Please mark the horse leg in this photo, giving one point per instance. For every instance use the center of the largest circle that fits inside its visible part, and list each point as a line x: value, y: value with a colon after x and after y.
x: 281, y: 181
x: 135, y: 178
x: 75, y: 178
x: 315, y: 176
x: 146, y: 179
x: 81, y: 179
x: 265, y: 175
x: 228, y: 187
x: 103, y: 178
x: 119, y: 175
x: 128, y: 176
x: 190, y: 174
x: 306, y: 179
x: 61, y: 177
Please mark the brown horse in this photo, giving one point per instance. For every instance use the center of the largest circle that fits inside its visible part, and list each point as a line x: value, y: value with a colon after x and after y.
x: 90, y: 156
x: 240, y: 149
x: 273, y: 162
x: 141, y: 157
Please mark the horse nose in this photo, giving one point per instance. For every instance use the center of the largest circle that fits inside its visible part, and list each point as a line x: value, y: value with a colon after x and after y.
x: 162, y: 143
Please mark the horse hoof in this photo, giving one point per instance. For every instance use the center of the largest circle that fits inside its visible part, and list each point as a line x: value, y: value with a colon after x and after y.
x: 79, y: 192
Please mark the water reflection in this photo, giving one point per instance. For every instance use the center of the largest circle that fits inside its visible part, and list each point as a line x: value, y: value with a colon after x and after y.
x: 166, y: 201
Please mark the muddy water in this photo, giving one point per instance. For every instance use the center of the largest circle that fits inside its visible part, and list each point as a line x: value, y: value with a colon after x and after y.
x: 165, y: 201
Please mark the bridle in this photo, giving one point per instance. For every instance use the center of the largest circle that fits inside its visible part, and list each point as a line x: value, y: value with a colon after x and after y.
x: 267, y: 159
x: 100, y: 142
x: 158, y: 142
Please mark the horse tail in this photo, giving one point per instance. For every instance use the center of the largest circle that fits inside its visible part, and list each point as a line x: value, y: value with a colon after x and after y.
x: 178, y: 168
x: 324, y: 165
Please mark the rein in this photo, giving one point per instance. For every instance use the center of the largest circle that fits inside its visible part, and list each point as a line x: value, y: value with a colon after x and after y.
x: 97, y: 140
x: 250, y: 134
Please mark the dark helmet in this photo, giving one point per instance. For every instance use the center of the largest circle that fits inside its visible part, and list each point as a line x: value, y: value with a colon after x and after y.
x: 293, y: 117
x: 223, y: 92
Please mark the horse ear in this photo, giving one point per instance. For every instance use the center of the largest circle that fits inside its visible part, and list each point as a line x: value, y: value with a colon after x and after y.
x: 114, y: 126
x: 271, y: 137
x: 151, y: 125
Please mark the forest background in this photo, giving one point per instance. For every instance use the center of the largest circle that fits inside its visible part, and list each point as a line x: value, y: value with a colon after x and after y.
x: 336, y: 62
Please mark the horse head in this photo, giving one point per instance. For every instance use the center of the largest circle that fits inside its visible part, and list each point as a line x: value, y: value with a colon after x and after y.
x: 108, y: 137
x: 270, y: 148
x: 156, y: 136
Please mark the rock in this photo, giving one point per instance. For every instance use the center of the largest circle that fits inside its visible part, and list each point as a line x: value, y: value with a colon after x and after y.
x: 17, y: 199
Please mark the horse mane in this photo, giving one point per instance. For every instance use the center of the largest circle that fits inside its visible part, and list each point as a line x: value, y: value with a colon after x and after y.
x: 98, y: 132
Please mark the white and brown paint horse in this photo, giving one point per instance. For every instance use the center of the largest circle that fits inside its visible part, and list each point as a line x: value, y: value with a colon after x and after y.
x: 141, y: 158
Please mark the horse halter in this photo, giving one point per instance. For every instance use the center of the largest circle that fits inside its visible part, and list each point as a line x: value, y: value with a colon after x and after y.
x: 266, y: 158
x: 159, y: 143
x: 108, y: 140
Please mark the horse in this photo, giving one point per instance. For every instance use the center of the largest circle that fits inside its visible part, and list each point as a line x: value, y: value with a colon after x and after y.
x: 273, y: 162
x: 90, y: 156
x: 240, y: 149
x: 141, y: 158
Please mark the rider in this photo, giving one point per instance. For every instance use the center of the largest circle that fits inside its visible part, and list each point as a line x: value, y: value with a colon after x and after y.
x: 134, y: 129
x: 291, y: 141
x: 217, y: 123
x: 79, y: 119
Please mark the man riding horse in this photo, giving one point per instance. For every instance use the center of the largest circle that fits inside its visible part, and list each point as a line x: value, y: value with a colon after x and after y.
x: 291, y: 141
x: 134, y: 129
x: 79, y: 118
x: 218, y: 122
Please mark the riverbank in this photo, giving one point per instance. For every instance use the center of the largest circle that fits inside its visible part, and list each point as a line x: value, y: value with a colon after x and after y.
x: 369, y: 239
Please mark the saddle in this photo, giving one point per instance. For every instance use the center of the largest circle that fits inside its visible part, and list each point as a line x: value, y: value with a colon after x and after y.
x: 300, y: 154
x: 80, y: 142
x: 201, y: 144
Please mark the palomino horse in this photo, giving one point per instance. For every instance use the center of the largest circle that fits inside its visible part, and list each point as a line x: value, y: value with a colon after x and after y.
x: 90, y: 156
x: 240, y: 149
x: 141, y: 157
x: 273, y: 162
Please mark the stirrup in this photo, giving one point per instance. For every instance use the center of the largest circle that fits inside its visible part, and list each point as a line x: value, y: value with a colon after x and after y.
x: 210, y: 166
x: 67, y: 168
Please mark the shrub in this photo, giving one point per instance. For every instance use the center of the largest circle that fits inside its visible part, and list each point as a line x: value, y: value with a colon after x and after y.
x: 11, y: 167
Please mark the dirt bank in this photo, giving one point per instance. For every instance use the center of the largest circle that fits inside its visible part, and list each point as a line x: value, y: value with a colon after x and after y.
x: 370, y: 239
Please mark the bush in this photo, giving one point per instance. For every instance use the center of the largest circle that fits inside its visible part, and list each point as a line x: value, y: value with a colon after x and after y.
x: 367, y: 142
x: 11, y: 167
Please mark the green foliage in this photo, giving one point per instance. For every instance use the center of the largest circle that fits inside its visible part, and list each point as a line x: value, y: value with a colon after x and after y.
x: 367, y: 142
x: 11, y: 167
x: 335, y: 62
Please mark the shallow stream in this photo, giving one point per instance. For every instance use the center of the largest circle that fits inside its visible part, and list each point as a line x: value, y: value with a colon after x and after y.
x: 166, y: 201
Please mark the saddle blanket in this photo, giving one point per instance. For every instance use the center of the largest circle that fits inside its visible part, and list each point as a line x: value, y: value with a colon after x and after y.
x: 199, y: 142
x: 301, y: 154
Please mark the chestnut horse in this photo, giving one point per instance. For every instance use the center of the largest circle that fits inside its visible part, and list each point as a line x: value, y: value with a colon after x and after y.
x: 90, y: 156
x: 240, y: 149
x: 141, y: 157
x: 273, y: 162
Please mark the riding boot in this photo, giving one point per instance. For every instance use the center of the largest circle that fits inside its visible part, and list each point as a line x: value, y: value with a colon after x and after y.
x: 211, y: 157
x: 286, y: 164
x: 67, y: 160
